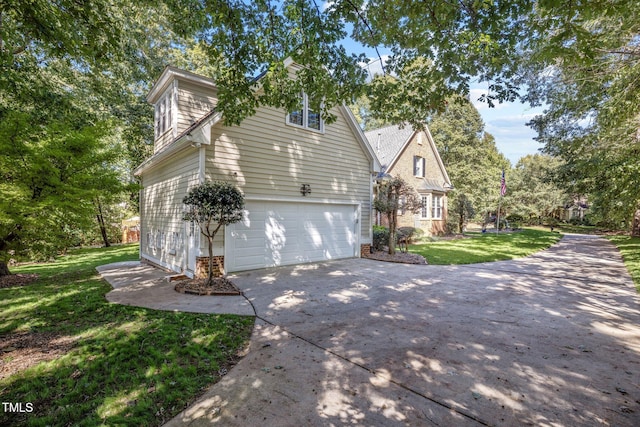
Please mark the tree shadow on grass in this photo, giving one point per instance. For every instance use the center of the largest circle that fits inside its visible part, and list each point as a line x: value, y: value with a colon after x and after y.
x: 123, y: 365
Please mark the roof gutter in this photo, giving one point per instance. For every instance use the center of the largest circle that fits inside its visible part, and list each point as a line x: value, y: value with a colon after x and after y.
x: 195, y: 135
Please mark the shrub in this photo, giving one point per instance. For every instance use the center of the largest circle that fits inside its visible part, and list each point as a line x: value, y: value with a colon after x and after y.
x: 380, y: 237
x: 411, y: 232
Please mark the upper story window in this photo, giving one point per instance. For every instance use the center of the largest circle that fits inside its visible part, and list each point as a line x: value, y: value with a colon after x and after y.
x: 418, y: 166
x: 304, y: 116
x: 164, y: 114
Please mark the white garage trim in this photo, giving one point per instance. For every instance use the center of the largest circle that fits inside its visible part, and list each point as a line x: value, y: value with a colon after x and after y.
x: 277, y: 232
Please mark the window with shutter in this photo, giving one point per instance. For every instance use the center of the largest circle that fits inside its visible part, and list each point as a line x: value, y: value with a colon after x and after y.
x: 418, y: 166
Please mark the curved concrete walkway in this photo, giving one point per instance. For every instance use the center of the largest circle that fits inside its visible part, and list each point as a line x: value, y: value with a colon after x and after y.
x: 552, y: 339
x: 142, y: 285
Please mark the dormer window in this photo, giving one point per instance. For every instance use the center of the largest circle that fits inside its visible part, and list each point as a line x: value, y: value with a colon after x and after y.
x: 304, y: 116
x: 164, y: 115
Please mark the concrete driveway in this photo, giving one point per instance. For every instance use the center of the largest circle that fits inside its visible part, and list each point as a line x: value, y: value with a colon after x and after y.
x: 549, y: 340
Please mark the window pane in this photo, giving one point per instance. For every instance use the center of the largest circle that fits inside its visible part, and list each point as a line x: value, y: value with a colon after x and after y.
x: 425, y: 206
x: 295, y: 118
x: 169, y: 116
x: 313, y: 120
x: 418, y: 166
x: 436, y: 207
x: 162, y: 114
x: 157, y: 122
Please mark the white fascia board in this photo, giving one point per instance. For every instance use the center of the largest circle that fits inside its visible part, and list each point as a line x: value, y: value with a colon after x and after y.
x: 362, y: 139
x: 171, y: 73
x: 201, y: 135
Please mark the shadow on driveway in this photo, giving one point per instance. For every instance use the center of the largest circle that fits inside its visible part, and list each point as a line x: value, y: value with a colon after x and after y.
x: 552, y: 339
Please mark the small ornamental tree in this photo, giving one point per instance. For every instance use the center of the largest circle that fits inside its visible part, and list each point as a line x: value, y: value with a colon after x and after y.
x: 393, y: 195
x: 212, y: 205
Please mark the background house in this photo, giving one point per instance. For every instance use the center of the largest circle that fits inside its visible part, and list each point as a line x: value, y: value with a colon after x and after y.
x: 307, y: 184
x: 412, y: 155
x: 576, y: 209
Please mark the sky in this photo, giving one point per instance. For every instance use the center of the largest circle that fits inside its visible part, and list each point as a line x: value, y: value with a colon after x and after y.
x: 506, y: 121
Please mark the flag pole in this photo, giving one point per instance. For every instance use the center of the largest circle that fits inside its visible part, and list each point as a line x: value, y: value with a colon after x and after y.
x: 498, y: 218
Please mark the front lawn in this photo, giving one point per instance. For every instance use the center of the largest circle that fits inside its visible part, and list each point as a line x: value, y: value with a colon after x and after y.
x: 486, y: 247
x: 630, y: 249
x: 78, y: 360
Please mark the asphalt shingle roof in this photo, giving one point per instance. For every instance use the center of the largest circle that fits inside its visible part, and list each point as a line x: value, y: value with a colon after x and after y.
x: 387, y: 142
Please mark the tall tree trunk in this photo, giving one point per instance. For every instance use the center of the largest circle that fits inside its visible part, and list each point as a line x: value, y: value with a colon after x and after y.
x: 393, y: 218
x: 210, y: 276
x: 635, y: 228
x: 461, y: 212
x: 103, y: 228
x: 4, y: 269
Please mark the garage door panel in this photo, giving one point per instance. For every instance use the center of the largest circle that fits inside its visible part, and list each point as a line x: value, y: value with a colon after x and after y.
x: 281, y: 233
x: 257, y: 261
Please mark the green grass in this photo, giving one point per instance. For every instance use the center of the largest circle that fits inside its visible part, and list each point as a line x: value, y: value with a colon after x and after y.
x: 630, y: 249
x: 486, y: 247
x: 126, y: 366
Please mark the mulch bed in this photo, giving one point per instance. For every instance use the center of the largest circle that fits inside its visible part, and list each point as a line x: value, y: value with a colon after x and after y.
x: 399, y: 257
x: 22, y: 350
x: 13, y: 280
x: 220, y: 286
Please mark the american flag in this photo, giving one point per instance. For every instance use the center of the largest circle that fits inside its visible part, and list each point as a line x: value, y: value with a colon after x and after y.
x: 503, y: 185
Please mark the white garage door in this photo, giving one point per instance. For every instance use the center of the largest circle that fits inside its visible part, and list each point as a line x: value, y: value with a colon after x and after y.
x: 280, y: 233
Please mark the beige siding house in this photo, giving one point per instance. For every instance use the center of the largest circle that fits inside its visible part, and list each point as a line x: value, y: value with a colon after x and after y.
x: 412, y: 155
x: 307, y: 185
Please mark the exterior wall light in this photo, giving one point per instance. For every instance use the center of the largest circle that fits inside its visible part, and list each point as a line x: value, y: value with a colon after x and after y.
x: 305, y: 189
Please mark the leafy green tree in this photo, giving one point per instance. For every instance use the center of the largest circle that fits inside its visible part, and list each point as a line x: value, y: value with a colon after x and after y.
x: 393, y: 195
x: 534, y: 192
x: 473, y: 162
x: 361, y: 109
x: 580, y: 58
x: 73, y: 116
x: 213, y: 205
x: 587, y: 71
x: 51, y: 174
x: 65, y: 90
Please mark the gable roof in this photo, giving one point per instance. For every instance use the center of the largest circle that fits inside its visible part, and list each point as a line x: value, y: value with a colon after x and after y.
x: 171, y: 73
x: 389, y: 142
x: 214, y: 117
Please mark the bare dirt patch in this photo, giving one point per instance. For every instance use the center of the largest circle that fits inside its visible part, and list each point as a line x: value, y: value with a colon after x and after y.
x: 220, y: 286
x: 399, y: 257
x: 20, y: 351
x: 13, y: 280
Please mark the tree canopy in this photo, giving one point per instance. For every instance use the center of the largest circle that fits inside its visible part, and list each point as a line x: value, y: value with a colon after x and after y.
x: 213, y: 205
x: 78, y: 71
x: 473, y: 162
x: 395, y: 194
x: 534, y: 190
x: 73, y: 119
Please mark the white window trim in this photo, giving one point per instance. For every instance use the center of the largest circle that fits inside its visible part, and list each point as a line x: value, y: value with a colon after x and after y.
x: 419, y: 171
x: 436, y: 211
x: 170, y: 124
x: 425, y: 209
x: 305, y: 117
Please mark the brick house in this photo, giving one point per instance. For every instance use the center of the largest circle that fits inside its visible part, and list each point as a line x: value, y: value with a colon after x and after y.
x: 412, y: 155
